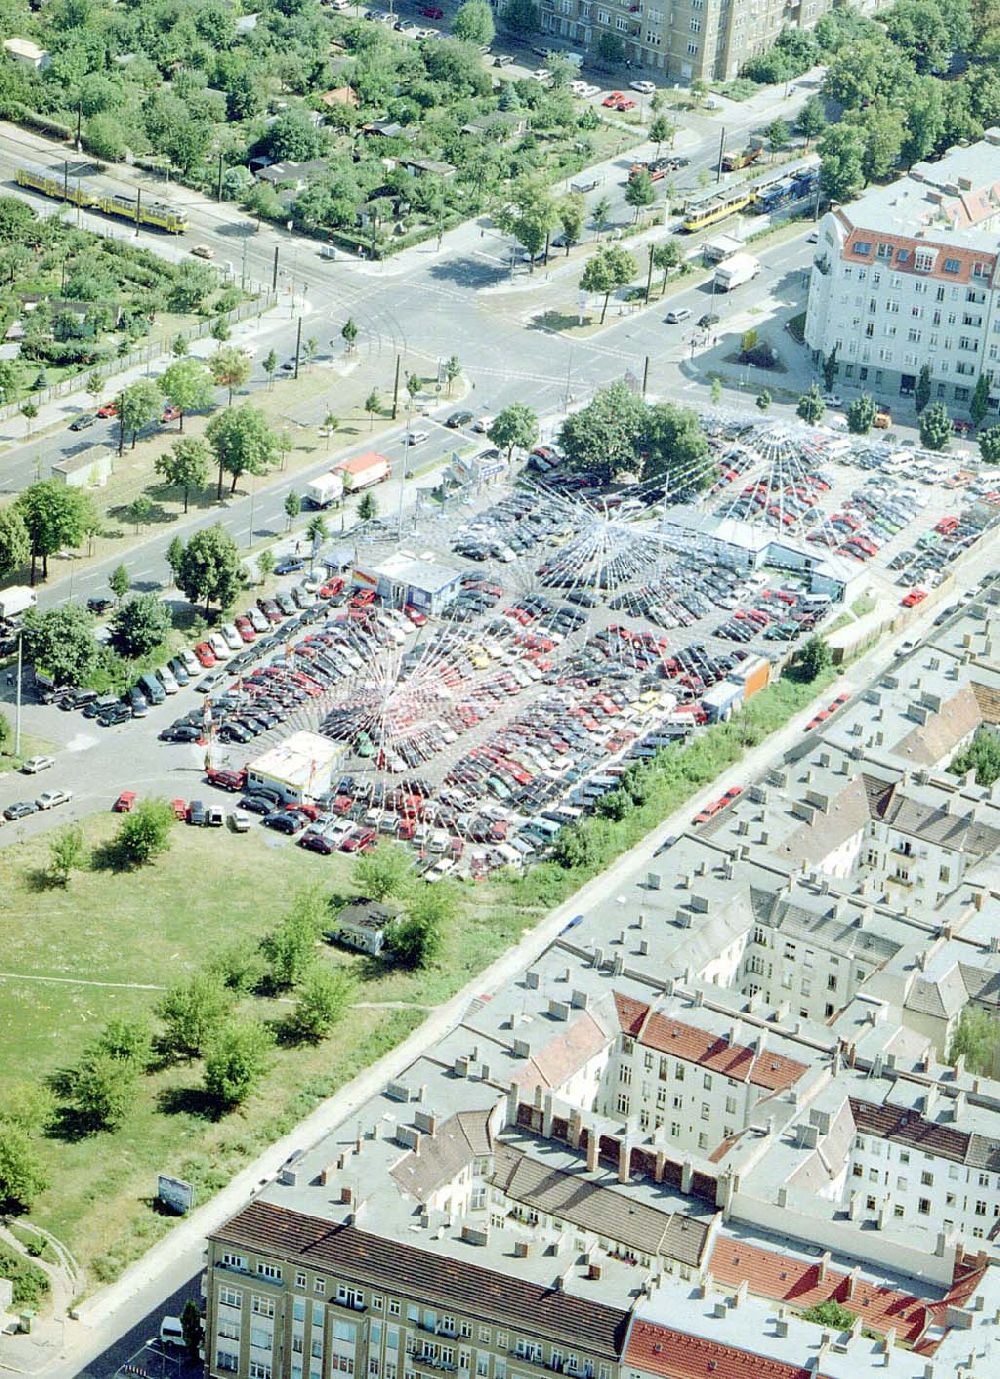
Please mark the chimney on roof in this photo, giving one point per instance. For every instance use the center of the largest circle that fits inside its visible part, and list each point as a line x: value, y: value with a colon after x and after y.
x: 823, y: 1266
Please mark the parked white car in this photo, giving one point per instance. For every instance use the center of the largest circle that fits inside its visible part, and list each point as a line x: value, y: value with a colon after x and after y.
x: 48, y: 799
x: 35, y: 764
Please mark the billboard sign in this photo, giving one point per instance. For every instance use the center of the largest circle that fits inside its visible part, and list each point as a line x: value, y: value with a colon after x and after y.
x: 175, y: 1194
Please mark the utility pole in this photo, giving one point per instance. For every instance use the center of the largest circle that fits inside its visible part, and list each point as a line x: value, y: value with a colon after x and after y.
x: 645, y: 374
x: 138, y: 208
x: 298, y: 347
x: 649, y: 279
x: 274, y: 273
x: 243, y: 264
x: 17, y: 696
x: 722, y: 145
x: 218, y: 184
x: 79, y: 122
x: 66, y: 180
x: 395, y: 387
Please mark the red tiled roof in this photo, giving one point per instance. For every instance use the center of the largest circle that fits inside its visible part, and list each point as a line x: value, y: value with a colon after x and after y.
x: 939, y: 247
x: 631, y: 1014
x: 555, y: 1062
x: 676, y: 1355
x: 796, y: 1281
x: 772, y: 1071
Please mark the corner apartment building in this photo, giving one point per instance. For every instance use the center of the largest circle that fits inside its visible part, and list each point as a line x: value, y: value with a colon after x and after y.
x: 686, y: 40
x: 907, y: 275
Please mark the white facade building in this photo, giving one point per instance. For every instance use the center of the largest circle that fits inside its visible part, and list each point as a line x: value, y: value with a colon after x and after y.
x: 907, y: 276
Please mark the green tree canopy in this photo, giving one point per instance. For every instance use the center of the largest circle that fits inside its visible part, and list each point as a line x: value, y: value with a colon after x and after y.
x: 242, y: 441
x: 323, y: 999
x: 610, y: 268
x: 186, y: 465
x: 210, y: 570
x: 604, y: 435
x: 15, y: 544
x: 230, y: 369
x: 193, y: 1011
x: 473, y: 23
x: 811, y: 407
x: 383, y: 872
x: 676, y: 447
x: 934, y: 426
x: 54, y: 517
x: 516, y: 425
x: 139, y: 625
x: 982, y: 756
x: 138, y: 405
x: 189, y: 386
x: 236, y: 1060
x: 22, y: 1174
x: 861, y: 415
x: 144, y: 833
x: 61, y: 641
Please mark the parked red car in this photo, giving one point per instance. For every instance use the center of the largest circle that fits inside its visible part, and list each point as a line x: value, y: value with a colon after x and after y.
x: 205, y: 655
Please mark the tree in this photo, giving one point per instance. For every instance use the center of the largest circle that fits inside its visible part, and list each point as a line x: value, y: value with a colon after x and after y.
x: 516, y: 425
x: 976, y: 1040
x: 61, y: 641
x: 101, y: 1090
x: 144, y: 833
x: 662, y: 130
x: 980, y: 403
x: 982, y: 756
x: 367, y: 507
x: 924, y: 120
x: 573, y: 848
x: 639, y: 193
x: 29, y: 411
x: 119, y: 582
x: 265, y: 564
x: 15, y: 544
x: 521, y: 17
x: 676, y: 448
x: 610, y: 48
x: 138, y: 511
x: 230, y: 369
x: 22, y: 1176
x: 293, y: 506
x: 604, y: 436
x: 270, y: 367
x: 861, y: 415
x: 383, y: 872
x: 918, y: 29
x: 778, y: 133
x: 413, y: 941
x: 530, y: 216
x: 934, y: 426
x: 139, y: 625
x: 331, y: 422
x: 178, y: 347
x: 349, y: 333
x: 138, y: 405
x: 666, y: 255
x: 188, y: 385
x: 989, y: 445
x: 290, y: 948
x: 210, y: 569
x: 193, y: 1011
x: 236, y: 1061
x: 174, y: 554
x: 572, y: 212
x: 452, y: 372
x: 473, y: 23
x: 830, y: 370
x: 186, y: 465
x: 763, y: 400
x: 323, y: 1000
x: 922, y: 392
x: 842, y: 155
x: 599, y: 215
x: 610, y: 268
x: 243, y: 443
x: 883, y: 131
x: 373, y: 405
x: 54, y: 517
x: 811, y: 407
x: 220, y: 329
x: 66, y: 854
x: 194, y: 1331
x: 813, y: 659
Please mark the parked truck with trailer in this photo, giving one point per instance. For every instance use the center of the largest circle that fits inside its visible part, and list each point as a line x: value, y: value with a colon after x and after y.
x: 363, y: 471
x: 325, y: 490
x: 736, y: 270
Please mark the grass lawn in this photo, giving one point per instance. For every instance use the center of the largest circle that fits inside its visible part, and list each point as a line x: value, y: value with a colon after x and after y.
x: 146, y: 930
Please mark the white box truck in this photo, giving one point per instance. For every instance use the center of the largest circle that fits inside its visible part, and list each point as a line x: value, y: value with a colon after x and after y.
x: 737, y: 269
x: 363, y: 471
x: 324, y: 491
x: 15, y: 600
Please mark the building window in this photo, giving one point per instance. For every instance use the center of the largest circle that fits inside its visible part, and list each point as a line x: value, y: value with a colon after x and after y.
x: 951, y: 265
x: 319, y: 1286
x: 230, y: 1297
x: 235, y: 1262
x: 225, y: 1360
x: 263, y: 1307
x: 269, y: 1271
x: 394, y: 1307
x: 622, y: 1104
x: 259, y: 1370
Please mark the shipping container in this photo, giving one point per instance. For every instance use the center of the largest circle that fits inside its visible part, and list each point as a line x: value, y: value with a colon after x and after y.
x: 752, y: 675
